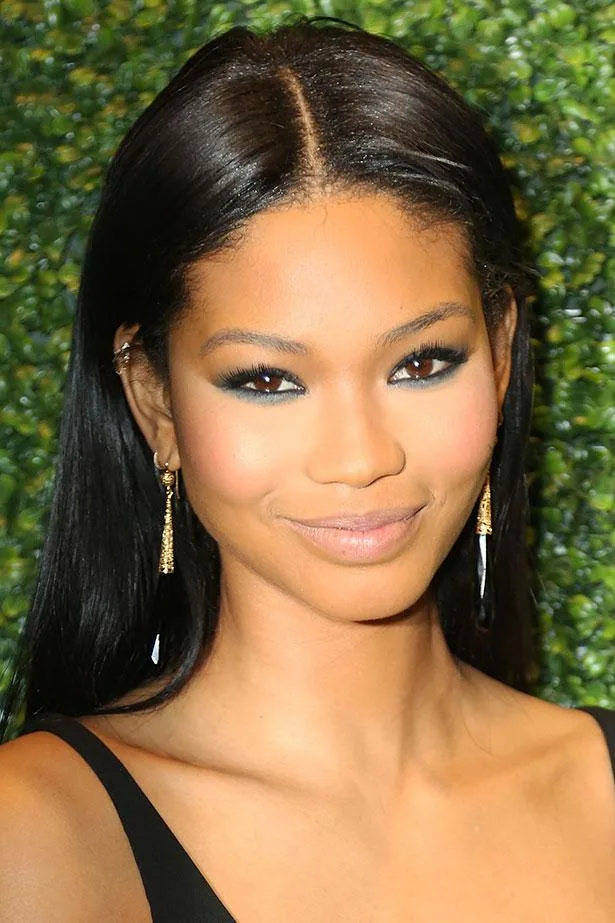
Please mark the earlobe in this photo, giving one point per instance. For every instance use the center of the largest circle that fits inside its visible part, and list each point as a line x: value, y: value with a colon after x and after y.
x: 146, y: 395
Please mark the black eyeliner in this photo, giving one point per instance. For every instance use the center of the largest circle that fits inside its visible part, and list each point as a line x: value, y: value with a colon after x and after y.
x: 235, y: 378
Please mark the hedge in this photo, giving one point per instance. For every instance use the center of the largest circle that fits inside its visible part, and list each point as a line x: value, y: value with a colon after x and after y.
x: 74, y: 74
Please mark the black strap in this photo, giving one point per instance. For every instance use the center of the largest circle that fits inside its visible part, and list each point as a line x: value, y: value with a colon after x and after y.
x: 606, y: 719
x: 176, y: 890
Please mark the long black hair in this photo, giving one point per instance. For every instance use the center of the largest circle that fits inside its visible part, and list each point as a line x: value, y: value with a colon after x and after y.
x: 251, y: 121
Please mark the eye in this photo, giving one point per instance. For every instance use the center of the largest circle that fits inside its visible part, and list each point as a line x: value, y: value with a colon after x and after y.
x: 259, y: 381
x: 433, y: 361
x: 267, y: 382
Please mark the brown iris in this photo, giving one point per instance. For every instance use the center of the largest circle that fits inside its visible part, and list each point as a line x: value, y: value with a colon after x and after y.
x: 266, y: 381
x: 420, y: 365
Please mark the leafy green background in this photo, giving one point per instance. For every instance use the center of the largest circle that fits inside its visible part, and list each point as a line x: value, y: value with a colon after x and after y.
x: 74, y: 74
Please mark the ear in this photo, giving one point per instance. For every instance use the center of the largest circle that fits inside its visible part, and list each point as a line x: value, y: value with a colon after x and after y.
x: 148, y: 399
x: 501, y: 349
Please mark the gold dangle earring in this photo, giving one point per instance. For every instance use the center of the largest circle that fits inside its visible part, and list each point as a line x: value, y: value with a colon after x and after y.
x: 170, y: 482
x: 484, y: 595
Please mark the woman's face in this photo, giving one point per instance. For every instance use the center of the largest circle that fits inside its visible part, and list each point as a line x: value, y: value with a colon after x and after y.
x: 353, y: 419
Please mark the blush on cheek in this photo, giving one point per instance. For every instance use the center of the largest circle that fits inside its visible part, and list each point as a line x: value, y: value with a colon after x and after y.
x: 470, y: 437
x: 226, y: 461
x: 461, y: 441
x: 465, y: 434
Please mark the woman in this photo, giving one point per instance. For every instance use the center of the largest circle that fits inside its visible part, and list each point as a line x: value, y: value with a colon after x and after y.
x: 283, y: 587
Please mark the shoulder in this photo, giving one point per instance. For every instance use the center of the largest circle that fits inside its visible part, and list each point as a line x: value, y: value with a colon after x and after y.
x: 563, y: 745
x: 534, y: 732
x: 571, y: 780
x: 37, y: 772
x: 578, y: 739
x: 53, y: 818
x: 40, y: 840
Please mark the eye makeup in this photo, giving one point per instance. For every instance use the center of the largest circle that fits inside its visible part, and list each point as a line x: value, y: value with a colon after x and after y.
x: 433, y: 355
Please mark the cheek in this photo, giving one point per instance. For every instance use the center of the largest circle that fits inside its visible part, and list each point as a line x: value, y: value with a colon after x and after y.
x: 462, y: 430
x: 469, y: 438
x: 460, y: 444
x: 226, y: 457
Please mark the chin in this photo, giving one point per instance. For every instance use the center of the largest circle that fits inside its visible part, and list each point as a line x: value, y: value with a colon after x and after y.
x: 371, y: 600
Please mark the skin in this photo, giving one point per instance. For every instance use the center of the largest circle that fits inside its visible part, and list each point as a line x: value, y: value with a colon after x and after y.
x: 330, y: 723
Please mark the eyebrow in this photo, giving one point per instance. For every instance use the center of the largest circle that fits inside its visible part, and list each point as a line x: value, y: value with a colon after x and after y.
x: 284, y: 345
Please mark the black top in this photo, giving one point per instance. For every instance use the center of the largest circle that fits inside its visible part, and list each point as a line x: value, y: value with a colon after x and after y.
x: 176, y: 890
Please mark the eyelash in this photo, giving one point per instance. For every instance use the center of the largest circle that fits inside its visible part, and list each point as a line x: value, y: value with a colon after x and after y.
x: 235, y: 379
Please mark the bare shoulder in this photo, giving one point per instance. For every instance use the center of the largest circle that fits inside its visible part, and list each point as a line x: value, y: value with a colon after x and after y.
x: 565, y: 747
x: 39, y: 836
x: 55, y: 820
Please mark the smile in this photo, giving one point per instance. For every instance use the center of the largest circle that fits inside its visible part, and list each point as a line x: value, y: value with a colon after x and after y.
x: 360, y: 545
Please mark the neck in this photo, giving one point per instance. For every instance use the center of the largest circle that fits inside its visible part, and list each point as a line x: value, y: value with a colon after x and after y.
x: 285, y: 688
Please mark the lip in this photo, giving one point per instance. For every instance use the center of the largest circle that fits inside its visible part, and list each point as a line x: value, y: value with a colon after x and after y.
x: 361, y: 545
x: 364, y: 522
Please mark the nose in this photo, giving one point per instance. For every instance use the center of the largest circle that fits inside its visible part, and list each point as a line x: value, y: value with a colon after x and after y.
x: 354, y: 443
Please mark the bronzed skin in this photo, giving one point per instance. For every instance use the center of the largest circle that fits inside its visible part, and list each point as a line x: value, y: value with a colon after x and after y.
x: 330, y: 761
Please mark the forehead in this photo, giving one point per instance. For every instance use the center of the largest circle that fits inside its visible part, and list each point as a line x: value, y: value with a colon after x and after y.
x: 335, y: 261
